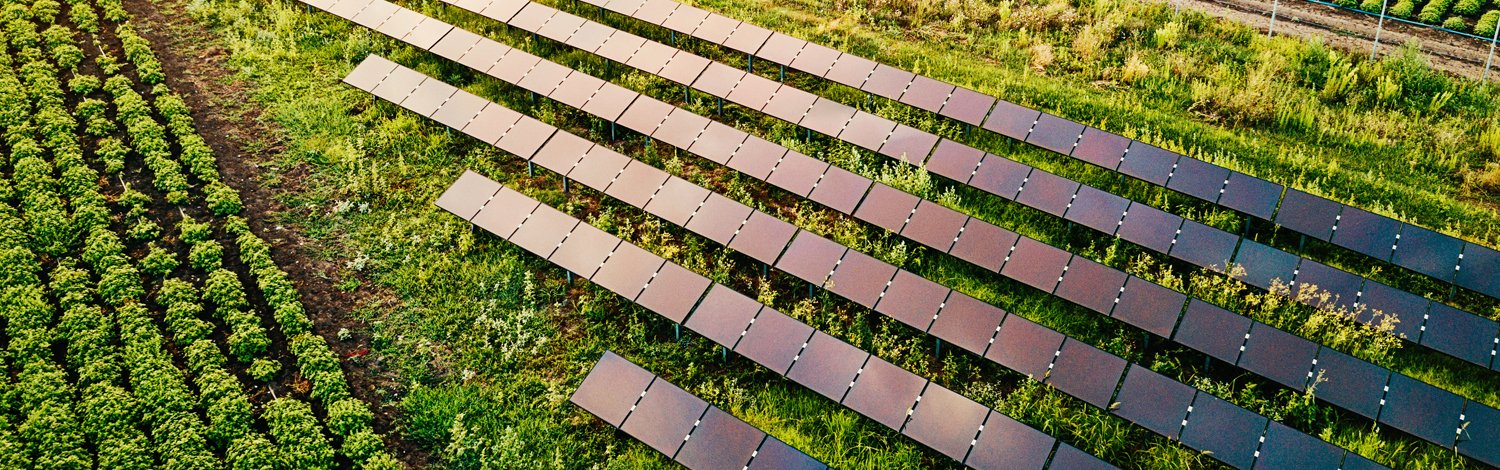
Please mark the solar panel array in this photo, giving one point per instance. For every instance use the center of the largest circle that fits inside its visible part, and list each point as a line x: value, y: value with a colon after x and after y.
x: 678, y: 424
x: 1451, y: 260
x: 1432, y: 324
x: 950, y: 423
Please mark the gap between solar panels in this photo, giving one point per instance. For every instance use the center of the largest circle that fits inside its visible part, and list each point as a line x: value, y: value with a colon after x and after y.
x: 531, y: 64
x: 1073, y: 367
x: 1431, y: 324
x: 1439, y: 256
x: 678, y: 424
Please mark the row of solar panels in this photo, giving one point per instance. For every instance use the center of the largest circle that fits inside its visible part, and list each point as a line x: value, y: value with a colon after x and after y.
x: 1012, y: 341
x: 929, y: 413
x: 1143, y: 300
x: 1440, y: 256
x: 678, y: 424
x: 1469, y: 337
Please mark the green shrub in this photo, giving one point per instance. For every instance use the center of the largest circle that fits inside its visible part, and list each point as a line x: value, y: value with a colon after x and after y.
x: 252, y: 452
x: 206, y: 255
x: 1486, y: 24
x: 1456, y: 23
x: 1468, y: 7
x: 193, y: 232
x: 263, y: 369
x: 1434, y: 11
x: 1403, y: 8
x: 143, y: 229
x: 362, y: 445
x: 158, y: 261
x: 347, y: 416
x: 222, y: 199
x: 298, y: 440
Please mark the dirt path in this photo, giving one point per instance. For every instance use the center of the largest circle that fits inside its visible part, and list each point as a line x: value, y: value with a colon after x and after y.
x: 1351, y: 31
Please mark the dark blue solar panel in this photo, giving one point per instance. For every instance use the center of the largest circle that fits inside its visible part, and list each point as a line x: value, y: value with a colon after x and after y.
x: 1289, y: 448
x: 1149, y: 306
x: 1368, y: 233
x: 1198, y: 178
x: 1460, y: 334
x: 1229, y: 432
x: 1148, y: 163
x: 1277, y: 355
x: 1204, y: 246
x: 1149, y: 227
x: 1349, y: 383
x: 1251, y: 195
x: 1427, y: 252
x: 1265, y: 265
x: 1480, y: 270
x: 1212, y: 330
x: 1308, y: 214
x: 1423, y: 410
x: 1153, y: 401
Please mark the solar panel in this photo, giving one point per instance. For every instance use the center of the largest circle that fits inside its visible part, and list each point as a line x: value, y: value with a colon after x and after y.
x: 611, y: 388
x: 719, y: 218
x: 912, y: 300
x: 1265, y: 265
x: 1153, y: 401
x: 954, y: 161
x: 491, y: 123
x: 685, y: 19
x: 867, y: 130
x: 797, y: 173
x: 1048, y: 192
x: 374, y: 14
x: 747, y: 38
x: 504, y: 10
x: 851, y: 70
x: 1404, y: 308
x: 543, y: 231
x: 673, y: 291
x: 840, y: 190
x: 774, y: 340
x: 1011, y: 120
x: 599, y: 167
x: 1097, y: 209
x: 402, y: 23
x: 1460, y: 334
x: 1341, y: 287
x: 1349, y: 383
x: 1353, y: 461
x: 428, y: 97
x: 680, y: 128
x: 652, y: 57
x: 861, y: 278
x: 620, y: 46
x: 1036, y: 264
x: 945, y: 421
x: 763, y: 237
x: 655, y: 11
x: 400, y: 83
x: 1086, y: 372
x: 723, y: 315
x: 591, y: 36
x: 887, y: 81
x: 716, y: 28
x: 827, y: 366
x: 459, y: 109
x: 754, y: 91
x: 1203, y: 245
x: 984, y: 244
x: 505, y: 216
x: 610, y: 102
x: 776, y: 455
x: 756, y: 157
x: 370, y: 72
x: 427, y: 33
x: 485, y: 54
x: 887, y: 207
x: 927, y: 94
x: 1231, y: 433
x: 1250, y: 195
x: 348, y: 9
x: 576, y: 90
x: 718, y: 79
x: 718, y: 142
x: 1006, y: 443
x: 685, y: 68
x: 1070, y: 457
x: 561, y: 26
x: 999, y: 176
x: 514, y: 66
x: 526, y: 136
x: 908, y: 144
x: 1426, y: 252
x: 664, y: 416
x: 584, y: 250
x: 1148, y: 163
x: 1309, y: 214
x: 934, y: 225
x: 1024, y: 346
x: 468, y: 194
x: 720, y: 441
x: 780, y: 48
x: 637, y: 183
x: 1101, y: 148
x: 968, y: 106
x: 627, y: 271
x: 1481, y: 434
x: 532, y: 17
x: 676, y: 200
x: 1214, y: 331
x: 1198, y: 178
x: 1423, y: 410
x: 788, y: 104
x: 1055, y: 134
x: 1480, y: 270
x: 545, y: 77
x: 967, y: 322
x: 1285, y: 447
x: 827, y: 117
x: 1277, y: 355
x: 884, y: 392
x: 815, y: 59
x: 811, y: 257
x: 1091, y: 285
x: 1149, y: 306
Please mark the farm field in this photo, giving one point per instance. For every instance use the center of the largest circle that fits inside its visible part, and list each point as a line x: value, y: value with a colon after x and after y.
x: 220, y: 253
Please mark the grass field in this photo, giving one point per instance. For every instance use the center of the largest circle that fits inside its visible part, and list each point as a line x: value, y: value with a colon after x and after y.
x: 484, y: 343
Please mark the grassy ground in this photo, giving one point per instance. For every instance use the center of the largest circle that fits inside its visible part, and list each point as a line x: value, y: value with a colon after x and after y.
x: 488, y: 342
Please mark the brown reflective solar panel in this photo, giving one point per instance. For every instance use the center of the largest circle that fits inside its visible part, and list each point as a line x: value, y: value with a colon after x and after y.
x: 827, y: 117
x: 611, y: 388
x: 1203, y: 245
x: 1101, y: 148
x: 610, y: 102
x: 716, y: 28
x: 427, y: 33
x: 1277, y: 355
x: 532, y: 17
x: 655, y: 11
x: 561, y: 26
x: 637, y: 183
x: 673, y: 292
x: 1047, y: 192
x: 1423, y: 410
x: 428, y: 97
x: 776, y: 455
x: 628, y: 270
x: 369, y: 72
x: 718, y: 142
x: 1480, y: 270
x: 861, y: 278
x: 1153, y: 401
x: 677, y: 200
x: 999, y: 176
x: 398, y: 84
x: 1265, y: 265
x: 1011, y: 120
x: 753, y: 91
x: 584, y: 250
x: 468, y: 194
x: 984, y: 244
x: 967, y: 322
x: 485, y: 54
x: 645, y: 114
x: 945, y: 421
x: 723, y: 315
x: 1092, y: 285
x: 1214, y: 331
x: 492, y: 123
x: 719, y: 218
x: 780, y: 48
x: 348, y: 9
x: 747, y: 38
x: 560, y: 152
x: 811, y: 257
x: 1481, y: 434
x: 1148, y: 163
x: 1006, y: 443
x: 1024, y: 346
x: 887, y: 207
x: 1285, y: 447
x: 1149, y: 306
x: 1149, y: 227
x: 912, y: 300
x: 545, y: 77
x: 815, y: 59
x: 599, y: 167
x: 1087, y: 373
x: 1460, y: 334
x: 620, y: 46
x: 1036, y: 264
x: 840, y: 190
x: 680, y: 128
x: 1403, y: 308
x: 505, y: 212
x: 1349, y: 383
x: 1426, y: 252
x: 1231, y: 433
x: 884, y: 392
x: 1309, y: 214
x: 909, y: 145
x: 927, y: 94
x: 624, y: 7
x: 1097, y: 209
x: 685, y: 19
x: 763, y: 237
x: 888, y: 82
x: 1071, y: 458
x: 1250, y: 195
x: 514, y: 66
x: 756, y: 157
x: 664, y: 416
x: 968, y: 106
x: 867, y: 130
x: 544, y: 231
x: 1198, y: 178
x: 851, y: 70
x: 797, y: 173
x: 827, y: 366
x: 718, y: 79
x: 504, y: 10
x: 576, y: 90
x: 401, y: 24
x: 591, y: 36
x: 954, y: 161
x: 1055, y: 134
x: 1367, y: 233
x: 720, y: 441
x: 789, y: 104
x: 684, y: 68
x: 934, y: 225
x: 1341, y: 287
x: 773, y: 340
